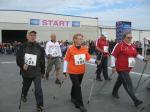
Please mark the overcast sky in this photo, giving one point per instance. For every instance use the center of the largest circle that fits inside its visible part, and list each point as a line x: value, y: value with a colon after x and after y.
x: 108, y: 11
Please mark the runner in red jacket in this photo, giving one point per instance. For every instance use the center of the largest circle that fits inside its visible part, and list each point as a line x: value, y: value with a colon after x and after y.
x: 122, y: 61
x: 102, y: 47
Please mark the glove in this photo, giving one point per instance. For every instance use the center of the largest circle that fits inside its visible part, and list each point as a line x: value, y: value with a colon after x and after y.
x: 145, y: 59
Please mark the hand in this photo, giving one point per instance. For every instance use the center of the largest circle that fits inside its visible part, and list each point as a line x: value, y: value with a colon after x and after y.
x: 113, y: 69
x: 43, y: 76
x: 145, y: 59
x: 98, y: 62
x: 25, y: 66
x: 49, y: 56
x: 65, y: 75
x: 61, y: 59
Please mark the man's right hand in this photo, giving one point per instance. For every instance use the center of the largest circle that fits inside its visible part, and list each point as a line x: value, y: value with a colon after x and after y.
x: 25, y: 66
x: 49, y: 56
x: 113, y: 69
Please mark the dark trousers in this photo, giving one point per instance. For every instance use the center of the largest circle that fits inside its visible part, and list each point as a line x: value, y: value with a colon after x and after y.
x: 102, y: 67
x: 76, y: 92
x: 124, y: 78
x: 38, y: 90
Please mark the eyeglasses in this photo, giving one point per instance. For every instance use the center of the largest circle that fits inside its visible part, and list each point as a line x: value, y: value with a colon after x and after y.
x: 129, y: 37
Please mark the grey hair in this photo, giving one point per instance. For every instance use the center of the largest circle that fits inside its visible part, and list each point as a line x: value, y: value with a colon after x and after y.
x: 125, y: 34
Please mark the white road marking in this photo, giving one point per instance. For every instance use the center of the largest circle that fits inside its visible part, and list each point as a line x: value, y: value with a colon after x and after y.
x: 7, y: 62
x: 136, y: 73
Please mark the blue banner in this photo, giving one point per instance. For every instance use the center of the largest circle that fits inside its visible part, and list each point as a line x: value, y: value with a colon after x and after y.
x: 121, y: 28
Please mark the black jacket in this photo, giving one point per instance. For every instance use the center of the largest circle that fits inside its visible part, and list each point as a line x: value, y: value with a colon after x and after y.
x: 35, y: 49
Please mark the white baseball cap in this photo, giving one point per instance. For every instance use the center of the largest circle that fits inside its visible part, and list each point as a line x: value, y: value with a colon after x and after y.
x: 105, y: 34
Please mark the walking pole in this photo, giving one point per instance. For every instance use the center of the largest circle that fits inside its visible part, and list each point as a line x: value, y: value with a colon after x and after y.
x: 145, y: 80
x: 94, y: 81
x: 20, y: 102
x: 92, y: 87
x: 143, y: 108
x: 62, y: 83
x: 138, y: 83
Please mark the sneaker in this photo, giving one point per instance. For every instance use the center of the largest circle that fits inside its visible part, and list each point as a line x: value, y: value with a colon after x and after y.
x: 40, y: 109
x: 108, y: 79
x: 137, y: 103
x: 82, y: 109
x: 99, y: 79
x: 73, y: 100
x: 148, y: 87
x: 58, y: 81
x: 115, y: 96
x: 24, y: 99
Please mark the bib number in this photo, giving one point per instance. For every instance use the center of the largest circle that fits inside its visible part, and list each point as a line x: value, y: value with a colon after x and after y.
x: 106, y: 49
x: 79, y: 59
x: 131, y: 62
x: 30, y: 59
x: 54, y: 51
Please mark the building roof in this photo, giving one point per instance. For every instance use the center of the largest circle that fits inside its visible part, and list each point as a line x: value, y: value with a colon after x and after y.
x: 48, y: 13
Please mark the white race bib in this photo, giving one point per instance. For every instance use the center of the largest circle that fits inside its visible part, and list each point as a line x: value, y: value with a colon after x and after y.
x: 131, y: 62
x: 106, y: 49
x: 54, y: 51
x: 79, y: 59
x: 30, y: 59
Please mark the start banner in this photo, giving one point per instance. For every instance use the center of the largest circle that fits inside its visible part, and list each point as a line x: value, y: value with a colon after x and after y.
x: 53, y: 23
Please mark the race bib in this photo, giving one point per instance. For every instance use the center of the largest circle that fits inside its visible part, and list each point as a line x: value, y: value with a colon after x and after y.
x: 54, y: 51
x: 131, y: 62
x: 79, y: 59
x: 106, y: 49
x: 30, y: 59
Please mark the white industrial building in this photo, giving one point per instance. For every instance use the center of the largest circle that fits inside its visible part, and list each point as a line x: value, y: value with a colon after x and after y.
x: 15, y: 23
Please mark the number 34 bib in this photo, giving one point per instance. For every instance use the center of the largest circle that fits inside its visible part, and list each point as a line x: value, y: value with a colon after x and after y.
x: 79, y: 59
x: 131, y: 62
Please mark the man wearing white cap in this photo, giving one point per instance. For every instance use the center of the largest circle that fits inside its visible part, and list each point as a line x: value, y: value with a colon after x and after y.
x: 103, y: 53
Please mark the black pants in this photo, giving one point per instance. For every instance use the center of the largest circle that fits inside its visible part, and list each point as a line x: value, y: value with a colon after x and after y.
x: 102, y: 67
x: 38, y: 90
x: 124, y: 78
x: 76, y: 92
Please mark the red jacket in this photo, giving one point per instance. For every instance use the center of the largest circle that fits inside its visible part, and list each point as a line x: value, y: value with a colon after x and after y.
x: 103, y: 45
x: 122, y: 52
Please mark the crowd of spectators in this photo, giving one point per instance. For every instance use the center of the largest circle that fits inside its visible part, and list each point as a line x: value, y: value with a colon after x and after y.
x: 11, y: 48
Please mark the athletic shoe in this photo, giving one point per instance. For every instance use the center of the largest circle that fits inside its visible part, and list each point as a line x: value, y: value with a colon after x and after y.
x: 24, y: 99
x: 58, y: 81
x: 40, y: 109
x: 137, y: 103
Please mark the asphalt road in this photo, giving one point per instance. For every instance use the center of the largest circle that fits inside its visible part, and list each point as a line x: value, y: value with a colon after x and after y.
x: 101, y: 101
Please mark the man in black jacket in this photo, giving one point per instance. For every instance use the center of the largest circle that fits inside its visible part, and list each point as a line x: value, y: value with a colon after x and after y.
x: 31, y: 60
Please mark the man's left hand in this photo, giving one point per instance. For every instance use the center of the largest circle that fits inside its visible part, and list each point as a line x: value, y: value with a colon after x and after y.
x: 145, y: 59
